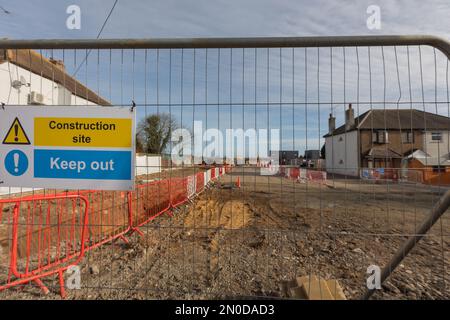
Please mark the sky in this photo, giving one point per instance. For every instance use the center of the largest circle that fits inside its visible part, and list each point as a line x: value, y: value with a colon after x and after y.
x: 222, y: 18
x: 293, y: 90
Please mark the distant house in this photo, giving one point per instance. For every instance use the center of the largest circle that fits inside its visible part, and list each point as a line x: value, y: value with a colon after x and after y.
x: 28, y: 78
x: 311, y: 159
x: 312, y: 154
x: 287, y: 157
x: 382, y: 138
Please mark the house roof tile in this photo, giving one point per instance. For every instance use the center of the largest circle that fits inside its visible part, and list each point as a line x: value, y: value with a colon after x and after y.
x: 52, y: 70
x: 396, y: 119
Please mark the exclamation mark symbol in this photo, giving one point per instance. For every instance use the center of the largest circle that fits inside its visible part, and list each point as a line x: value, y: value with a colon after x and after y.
x: 16, y: 132
x: 16, y: 162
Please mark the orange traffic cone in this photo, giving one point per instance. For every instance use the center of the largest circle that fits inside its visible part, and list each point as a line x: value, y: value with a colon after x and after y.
x: 238, y: 182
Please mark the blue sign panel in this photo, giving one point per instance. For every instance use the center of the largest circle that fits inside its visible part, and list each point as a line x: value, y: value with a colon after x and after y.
x: 82, y: 164
x: 16, y: 163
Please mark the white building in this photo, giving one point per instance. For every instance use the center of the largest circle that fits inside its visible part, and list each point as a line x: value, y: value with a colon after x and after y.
x: 382, y: 138
x: 28, y: 78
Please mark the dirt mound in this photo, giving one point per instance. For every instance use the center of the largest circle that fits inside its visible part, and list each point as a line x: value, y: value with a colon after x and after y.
x: 212, y: 213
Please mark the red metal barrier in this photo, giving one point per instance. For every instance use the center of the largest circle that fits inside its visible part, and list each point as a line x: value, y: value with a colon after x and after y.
x: 178, y: 191
x: 199, y: 182
x: 48, y: 234
x: 190, y: 186
x: 51, y: 233
x: 149, y: 201
x: 109, y: 216
x: 316, y: 175
x: 294, y: 173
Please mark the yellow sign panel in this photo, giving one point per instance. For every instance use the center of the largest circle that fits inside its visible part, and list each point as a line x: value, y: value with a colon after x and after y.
x: 85, y: 132
x: 16, y: 134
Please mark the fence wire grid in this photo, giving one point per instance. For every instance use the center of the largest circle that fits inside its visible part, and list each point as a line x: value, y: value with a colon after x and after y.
x: 363, y: 134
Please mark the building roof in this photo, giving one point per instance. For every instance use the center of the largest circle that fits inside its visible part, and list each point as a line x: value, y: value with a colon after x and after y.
x: 382, y: 152
x: 396, y: 119
x: 416, y: 153
x: 52, y: 70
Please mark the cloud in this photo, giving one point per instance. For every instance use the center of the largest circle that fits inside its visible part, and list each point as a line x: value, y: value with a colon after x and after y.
x: 200, y: 18
x: 157, y: 82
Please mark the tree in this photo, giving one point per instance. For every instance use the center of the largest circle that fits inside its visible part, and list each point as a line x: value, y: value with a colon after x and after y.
x: 322, y: 152
x: 154, y: 132
x: 139, y: 146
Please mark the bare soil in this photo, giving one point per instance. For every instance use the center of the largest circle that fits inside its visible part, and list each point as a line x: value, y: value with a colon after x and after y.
x: 244, y: 242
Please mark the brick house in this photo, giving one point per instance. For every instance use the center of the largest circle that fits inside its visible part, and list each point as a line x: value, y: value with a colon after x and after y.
x: 386, y: 138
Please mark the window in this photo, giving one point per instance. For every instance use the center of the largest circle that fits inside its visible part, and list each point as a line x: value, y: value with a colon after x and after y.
x: 407, y: 137
x: 436, y: 136
x: 438, y: 169
x: 380, y: 136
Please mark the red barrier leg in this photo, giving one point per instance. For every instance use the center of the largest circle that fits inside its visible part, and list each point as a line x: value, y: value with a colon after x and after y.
x: 61, y: 284
x: 136, y: 229
x: 124, y: 239
x: 41, y: 285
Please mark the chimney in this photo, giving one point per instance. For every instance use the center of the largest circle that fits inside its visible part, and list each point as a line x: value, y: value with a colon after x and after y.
x: 349, y: 117
x: 331, y: 124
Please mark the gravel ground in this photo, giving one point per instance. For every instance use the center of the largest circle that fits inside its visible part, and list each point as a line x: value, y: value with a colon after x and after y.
x: 245, y: 242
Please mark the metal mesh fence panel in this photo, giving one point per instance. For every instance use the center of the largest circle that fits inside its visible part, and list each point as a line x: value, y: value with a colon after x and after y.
x: 307, y: 160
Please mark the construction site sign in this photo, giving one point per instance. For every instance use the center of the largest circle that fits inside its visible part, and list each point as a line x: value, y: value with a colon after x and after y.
x: 16, y: 134
x: 65, y: 147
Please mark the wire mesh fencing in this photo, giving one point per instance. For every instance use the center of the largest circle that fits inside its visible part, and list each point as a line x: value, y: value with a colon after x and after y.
x: 265, y: 168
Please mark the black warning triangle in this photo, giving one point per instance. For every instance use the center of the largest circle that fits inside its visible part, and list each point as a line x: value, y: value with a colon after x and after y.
x: 16, y: 134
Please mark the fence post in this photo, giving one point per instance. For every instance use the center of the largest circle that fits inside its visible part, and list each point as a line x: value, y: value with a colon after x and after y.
x: 435, y: 213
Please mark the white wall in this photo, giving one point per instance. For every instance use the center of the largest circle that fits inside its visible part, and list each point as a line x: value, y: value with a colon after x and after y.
x: 147, y: 164
x: 436, y: 149
x: 7, y: 190
x: 49, y: 89
x: 342, y: 153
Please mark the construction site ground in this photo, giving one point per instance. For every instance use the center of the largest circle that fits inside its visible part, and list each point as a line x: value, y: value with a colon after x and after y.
x: 246, y: 242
